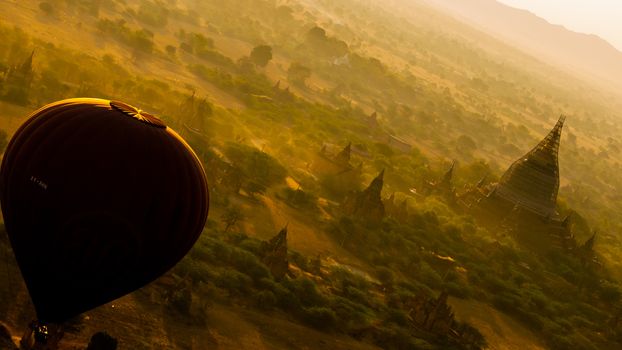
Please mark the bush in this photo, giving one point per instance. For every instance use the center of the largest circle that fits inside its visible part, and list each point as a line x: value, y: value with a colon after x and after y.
x: 385, y: 275
x: 609, y: 292
x: 286, y: 300
x: 214, y: 57
x: 350, y: 314
x: 265, y: 299
x: 46, y: 7
x: 297, y: 74
x: 261, y: 55
x: 233, y: 281
x: 16, y: 95
x: 397, y: 316
x: 320, y: 317
x: 255, y: 165
x: 248, y: 264
x: 171, y: 50
x: 306, y: 291
x: 153, y: 14
x: 458, y: 290
x: 393, y: 337
x: 181, y: 301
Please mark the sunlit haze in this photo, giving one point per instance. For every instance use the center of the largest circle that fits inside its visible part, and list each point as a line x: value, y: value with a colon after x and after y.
x: 600, y: 17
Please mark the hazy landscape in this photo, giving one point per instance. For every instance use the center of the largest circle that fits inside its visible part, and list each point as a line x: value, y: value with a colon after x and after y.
x: 347, y: 147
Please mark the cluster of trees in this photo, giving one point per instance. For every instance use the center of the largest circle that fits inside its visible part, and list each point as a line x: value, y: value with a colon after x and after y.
x: 139, y: 39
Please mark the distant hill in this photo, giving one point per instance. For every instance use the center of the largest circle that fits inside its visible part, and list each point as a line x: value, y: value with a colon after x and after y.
x: 588, y: 55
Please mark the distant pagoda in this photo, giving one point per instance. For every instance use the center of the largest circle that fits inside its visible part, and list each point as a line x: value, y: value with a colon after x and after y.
x: 22, y: 74
x: 532, y: 182
x: 343, y: 157
x: 275, y: 254
x: 367, y: 204
x: 327, y: 163
x: 335, y: 171
x: 15, y: 84
x: 445, y: 187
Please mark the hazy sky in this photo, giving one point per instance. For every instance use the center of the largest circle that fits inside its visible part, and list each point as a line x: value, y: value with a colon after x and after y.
x: 600, y: 17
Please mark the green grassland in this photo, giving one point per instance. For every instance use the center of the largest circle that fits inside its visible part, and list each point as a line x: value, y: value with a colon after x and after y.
x: 447, y: 89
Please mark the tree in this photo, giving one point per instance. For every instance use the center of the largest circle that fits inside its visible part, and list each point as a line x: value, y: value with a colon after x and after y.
x: 261, y: 55
x: 297, y: 74
x: 253, y: 188
x: 102, y: 341
x: 171, y: 50
x: 254, y: 165
x: 231, y: 216
x: 465, y: 144
x: 46, y: 7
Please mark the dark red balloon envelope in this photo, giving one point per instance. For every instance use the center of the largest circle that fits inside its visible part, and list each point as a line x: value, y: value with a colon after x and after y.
x: 98, y: 199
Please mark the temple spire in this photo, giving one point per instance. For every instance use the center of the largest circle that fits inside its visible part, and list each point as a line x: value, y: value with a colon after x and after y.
x: 549, y: 146
x: 280, y: 239
x: 367, y: 204
x: 275, y: 254
x: 588, y: 246
x: 376, y: 184
x: 26, y: 66
x: 344, y: 156
x: 533, y: 180
x: 446, y: 180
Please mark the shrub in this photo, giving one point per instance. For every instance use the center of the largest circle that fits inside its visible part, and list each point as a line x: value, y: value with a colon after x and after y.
x: 234, y: 281
x: 320, y: 317
x: 46, y: 7
x: 297, y: 74
x: 265, y: 299
x: 181, y: 301
x: 286, y: 300
x: 609, y: 292
x: 261, y: 55
x: 171, y: 50
x: 306, y: 291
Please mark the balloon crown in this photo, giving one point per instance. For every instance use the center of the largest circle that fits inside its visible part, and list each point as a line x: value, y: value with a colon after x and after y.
x: 138, y: 114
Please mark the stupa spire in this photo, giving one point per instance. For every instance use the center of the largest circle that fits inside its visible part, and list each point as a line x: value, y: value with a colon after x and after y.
x: 532, y: 181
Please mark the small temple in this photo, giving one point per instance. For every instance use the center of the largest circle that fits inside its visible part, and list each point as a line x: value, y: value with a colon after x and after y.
x: 335, y: 170
x: 343, y: 157
x: 445, y: 187
x: 195, y: 111
x: 21, y: 74
x: 367, y: 203
x: 335, y: 163
x: 435, y: 315
x: 275, y: 254
x: 15, y: 83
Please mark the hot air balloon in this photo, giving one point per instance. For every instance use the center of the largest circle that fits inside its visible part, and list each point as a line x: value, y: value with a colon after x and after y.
x: 99, y: 199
